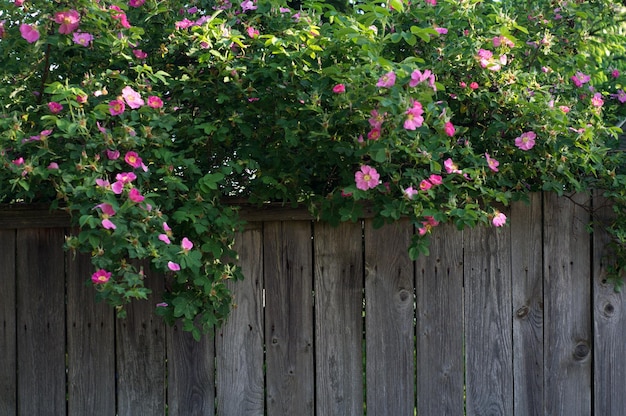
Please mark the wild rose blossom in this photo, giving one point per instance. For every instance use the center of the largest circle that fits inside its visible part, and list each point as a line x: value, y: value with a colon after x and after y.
x: 366, y: 178
x: 173, y: 266
x: 579, y: 79
x: 186, y: 244
x: 54, y: 107
x: 106, y: 209
x: 248, y: 5
x: 139, y: 54
x: 417, y: 77
x: 132, y: 97
x: 136, y: 3
x: 155, y: 102
x: 414, y: 117
x: 451, y: 167
x: 116, y: 107
x: 339, y: 89
x: 133, y: 159
x: 100, y: 277
x: 387, y: 81
x: 135, y: 196
x: 120, y: 16
x: 69, y: 21
x: 492, y: 163
x: 410, y: 192
x: 526, y: 140
x: 499, y: 219
x: 83, y: 39
x: 428, y: 223
x: 597, y: 100
x: 435, y: 179
x: 449, y: 128
x: 374, y: 134
x: 113, y: 154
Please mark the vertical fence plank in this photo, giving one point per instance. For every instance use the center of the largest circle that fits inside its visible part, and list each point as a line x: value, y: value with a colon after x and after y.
x: 240, y: 378
x: 140, y: 350
x: 527, y: 281
x: 389, y: 320
x: 91, y: 344
x: 609, y: 317
x: 8, y: 334
x: 289, y: 318
x: 41, y: 322
x: 567, y: 312
x: 440, y: 361
x: 339, y: 319
x: 191, y: 373
x: 488, y: 322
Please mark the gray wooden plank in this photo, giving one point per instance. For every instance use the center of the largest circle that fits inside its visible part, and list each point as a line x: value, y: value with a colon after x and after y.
x: 191, y: 373
x: 289, y: 318
x: 439, y: 292
x: 239, y: 344
x: 140, y: 343
x: 41, y: 322
x: 8, y: 334
x: 389, y: 305
x: 339, y: 319
x: 609, y: 319
x: 90, y: 344
x: 488, y: 322
x: 527, y: 292
x: 16, y: 216
x: 567, y: 315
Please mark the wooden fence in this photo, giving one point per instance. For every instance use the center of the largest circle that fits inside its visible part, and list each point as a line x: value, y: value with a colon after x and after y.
x: 330, y: 321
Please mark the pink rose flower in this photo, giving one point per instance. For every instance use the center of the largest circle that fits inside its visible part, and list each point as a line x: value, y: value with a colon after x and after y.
x: 155, y: 102
x: 366, y: 178
x: 69, y: 21
x: 339, y: 89
x: 30, y: 33
x: 100, y: 277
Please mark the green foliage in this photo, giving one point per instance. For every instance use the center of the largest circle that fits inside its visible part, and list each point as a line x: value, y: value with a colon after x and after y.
x: 261, y: 102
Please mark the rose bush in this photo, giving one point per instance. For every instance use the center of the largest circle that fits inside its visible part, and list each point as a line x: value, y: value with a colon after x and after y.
x: 144, y: 119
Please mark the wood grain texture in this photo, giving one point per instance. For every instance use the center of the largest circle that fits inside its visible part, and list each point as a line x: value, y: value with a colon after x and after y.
x: 567, y: 293
x: 338, y: 258
x: 439, y: 312
x: 40, y: 322
x: 527, y: 291
x: 289, y: 318
x: 8, y: 334
x: 239, y: 344
x: 488, y: 322
x: 90, y: 344
x: 389, y: 305
x: 191, y: 373
x: 140, y: 343
x: 609, y: 320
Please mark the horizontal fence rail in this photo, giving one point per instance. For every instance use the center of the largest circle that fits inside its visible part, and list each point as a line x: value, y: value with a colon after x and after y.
x: 330, y: 321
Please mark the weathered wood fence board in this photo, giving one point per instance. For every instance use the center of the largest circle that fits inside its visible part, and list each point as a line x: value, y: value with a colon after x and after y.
x: 331, y: 321
x: 439, y: 325
x: 8, y: 334
x: 338, y: 292
x: 567, y: 320
x: 527, y: 301
x: 609, y: 317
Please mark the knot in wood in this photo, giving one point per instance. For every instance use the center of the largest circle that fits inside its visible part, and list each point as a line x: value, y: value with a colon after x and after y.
x: 581, y: 351
x: 523, y: 311
x: 609, y: 309
x: 403, y: 295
